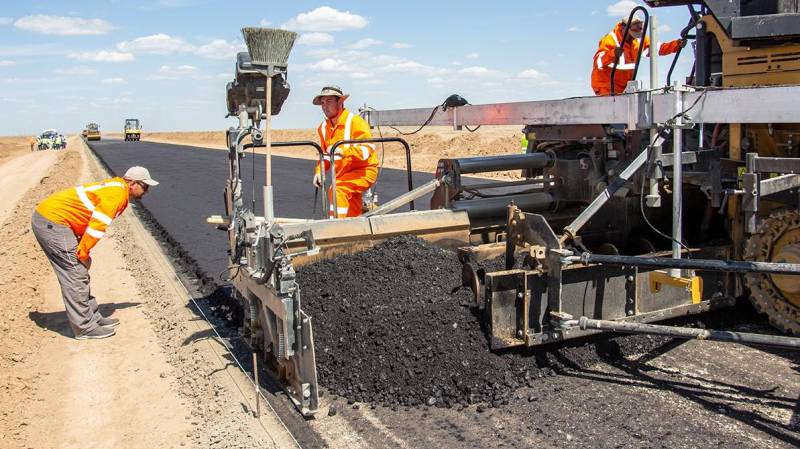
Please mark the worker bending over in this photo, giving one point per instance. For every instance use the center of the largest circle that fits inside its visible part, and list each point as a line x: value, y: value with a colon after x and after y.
x: 356, y: 166
x: 610, y: 51
x: 67, y: 225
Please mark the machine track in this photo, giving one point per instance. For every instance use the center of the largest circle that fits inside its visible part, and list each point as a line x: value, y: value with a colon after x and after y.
x: 778, y: 296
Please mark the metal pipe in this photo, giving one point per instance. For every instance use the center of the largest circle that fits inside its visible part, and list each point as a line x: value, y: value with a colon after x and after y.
x: 484, y: 164
x: 776, y: 341
x: 269, y: 211
x: 731, y: 266
x: 420, y: 191
x: 494, y: 207
x: 653, y: 197
x: 677, y: 176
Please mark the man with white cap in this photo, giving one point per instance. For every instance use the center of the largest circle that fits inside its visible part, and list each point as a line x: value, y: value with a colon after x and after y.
x: 612, y: 51
x: 67, y: 224
x: 356, y: 165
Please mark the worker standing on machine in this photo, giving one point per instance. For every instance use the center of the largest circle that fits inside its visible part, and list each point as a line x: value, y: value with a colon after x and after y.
x: 356, y: 166
x: 610, y: 51
x: 67, y: 225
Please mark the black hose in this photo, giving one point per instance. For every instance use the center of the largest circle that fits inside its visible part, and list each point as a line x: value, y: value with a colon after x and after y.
x: 622, y: 43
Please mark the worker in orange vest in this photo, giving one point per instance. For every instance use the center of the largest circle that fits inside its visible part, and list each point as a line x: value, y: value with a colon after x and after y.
x: 610, y: 50
x: 67, y: 225
x: 356, y: 166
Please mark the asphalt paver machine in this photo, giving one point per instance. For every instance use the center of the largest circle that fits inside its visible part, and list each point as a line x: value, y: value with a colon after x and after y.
x: 630, y: 209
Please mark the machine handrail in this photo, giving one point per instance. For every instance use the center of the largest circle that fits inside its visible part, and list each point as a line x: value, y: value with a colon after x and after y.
x: 299, y: 143
x: 371, y: 140
x: 622, y: 43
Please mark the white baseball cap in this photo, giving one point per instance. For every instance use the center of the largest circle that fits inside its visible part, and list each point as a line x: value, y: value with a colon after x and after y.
x: 137, y: 173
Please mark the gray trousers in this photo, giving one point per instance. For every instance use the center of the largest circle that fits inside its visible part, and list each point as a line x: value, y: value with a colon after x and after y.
x: 61, y: 247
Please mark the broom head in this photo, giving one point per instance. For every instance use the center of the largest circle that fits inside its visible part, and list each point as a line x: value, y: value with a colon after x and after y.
x: 268, y: 46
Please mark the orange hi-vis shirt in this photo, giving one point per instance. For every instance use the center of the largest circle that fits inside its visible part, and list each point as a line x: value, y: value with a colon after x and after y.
x: 348, y: 157
x: 603, y: 60
x: 87, y: 209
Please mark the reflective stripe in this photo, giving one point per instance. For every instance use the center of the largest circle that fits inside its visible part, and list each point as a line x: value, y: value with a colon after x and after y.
x: 625, y: 66
x: 87, y: 203
x: 600, y: 59
x: 347, y: 125
x: 614, y: 36
x: 342, y: 210
x: 322, y: 130
x: 99, y: 216
x: 95, y: 233
x: 365, y: 149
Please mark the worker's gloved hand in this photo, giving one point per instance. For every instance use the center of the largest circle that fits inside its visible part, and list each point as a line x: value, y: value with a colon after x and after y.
x: 617, y: 52
x: 86, y: 263
x: 317, y: 180
x: 682, y: 42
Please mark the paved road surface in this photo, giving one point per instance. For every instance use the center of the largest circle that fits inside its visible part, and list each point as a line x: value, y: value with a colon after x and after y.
x: 192, y: 181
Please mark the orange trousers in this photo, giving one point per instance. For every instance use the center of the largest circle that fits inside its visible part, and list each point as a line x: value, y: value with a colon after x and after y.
x: 349, y: 187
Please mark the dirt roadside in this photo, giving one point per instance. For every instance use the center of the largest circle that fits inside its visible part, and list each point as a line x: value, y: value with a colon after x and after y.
x: 163, y: 375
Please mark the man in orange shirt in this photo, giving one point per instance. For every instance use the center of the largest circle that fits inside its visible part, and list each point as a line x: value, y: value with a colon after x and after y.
x: 610, y: 52
x: 356, y: 166
x: 67, y: 225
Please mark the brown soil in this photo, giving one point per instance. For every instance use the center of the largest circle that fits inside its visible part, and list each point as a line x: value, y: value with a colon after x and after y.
x: 427, y: 146
x: 160, y: 382
x: 13, y: 146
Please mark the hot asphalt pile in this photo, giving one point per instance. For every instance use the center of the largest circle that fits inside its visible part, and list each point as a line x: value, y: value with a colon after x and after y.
x: 392, y: 328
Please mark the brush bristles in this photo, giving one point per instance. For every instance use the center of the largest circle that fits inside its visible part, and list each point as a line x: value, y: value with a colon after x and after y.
x: 268, y: 46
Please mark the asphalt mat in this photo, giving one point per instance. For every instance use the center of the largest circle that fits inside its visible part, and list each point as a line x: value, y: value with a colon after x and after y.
x: 600, y: 392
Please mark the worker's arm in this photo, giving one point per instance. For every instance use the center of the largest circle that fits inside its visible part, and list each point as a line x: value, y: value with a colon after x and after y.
x: 356, y: 154
x: 108, y: 206
x: 606, y: 53
x: 664, y: 48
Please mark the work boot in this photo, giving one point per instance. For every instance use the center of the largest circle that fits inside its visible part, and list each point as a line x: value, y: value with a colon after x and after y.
x: 107, y: 321
x: 97, y: 333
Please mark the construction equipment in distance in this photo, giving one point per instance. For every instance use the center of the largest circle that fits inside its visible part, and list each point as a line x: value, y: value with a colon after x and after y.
x: 133, y: 130
x: 632, y: 209
x: 91, y: 132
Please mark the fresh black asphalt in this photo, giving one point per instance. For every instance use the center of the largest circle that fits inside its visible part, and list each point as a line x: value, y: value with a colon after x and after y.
x: 192, y: 181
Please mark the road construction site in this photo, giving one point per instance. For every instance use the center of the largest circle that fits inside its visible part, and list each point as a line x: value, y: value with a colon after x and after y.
x: 392, y: 346
x: 623, y: 275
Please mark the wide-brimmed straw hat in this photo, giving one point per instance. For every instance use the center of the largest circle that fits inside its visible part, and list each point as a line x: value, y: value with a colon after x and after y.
x: 326, y: 91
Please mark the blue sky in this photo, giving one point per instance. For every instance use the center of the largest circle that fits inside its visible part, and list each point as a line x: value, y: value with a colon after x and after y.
x: 63, y: 64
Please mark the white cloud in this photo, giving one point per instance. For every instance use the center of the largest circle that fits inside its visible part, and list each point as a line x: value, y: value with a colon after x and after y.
x: 325, y: 19
x: 6, y: 20
x: 219, y: 49
x: 166, y: 72
x: 102, y: 56
x: 330, y: 65
x: 574, y: 29
x: 112, y: 81
x: 405, y: 66
x: 472, y: 56
x: 621, y: 8
x: 63, y: 26
x: 75, y: 71
x: 365, y: 43
x: 400, y: 45
x: 160, y: 43
x: 475, y: 70
x: 315, y: 39
x: 264, y: 23
x: 531, y: 73
x: 664, y: 28
x: 7, y: 63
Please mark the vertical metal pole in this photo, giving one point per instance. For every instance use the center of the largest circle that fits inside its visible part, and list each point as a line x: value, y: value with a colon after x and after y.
x: 269, y: 211
x: 255, y: 380
x: 677, y: 176
x: 653, y: 196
